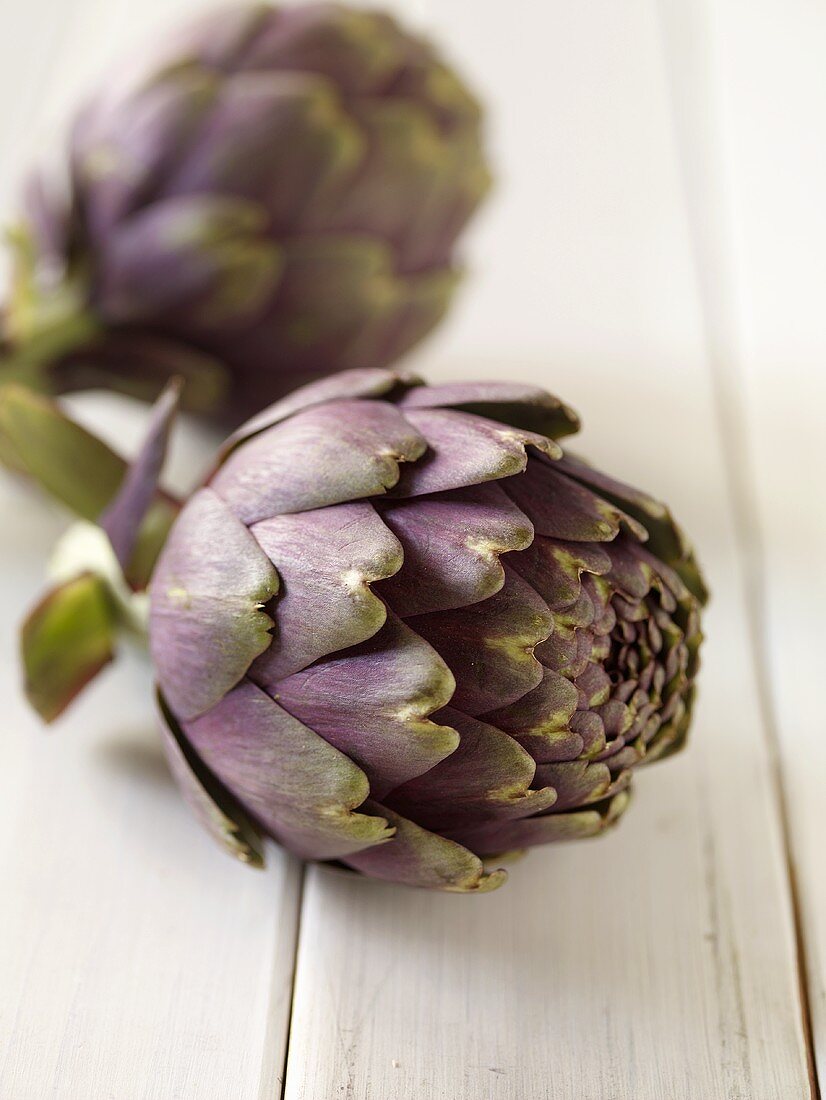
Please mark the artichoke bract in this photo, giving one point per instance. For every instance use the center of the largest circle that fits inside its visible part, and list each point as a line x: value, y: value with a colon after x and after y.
x: 274, y: 198
x: 399, y: 629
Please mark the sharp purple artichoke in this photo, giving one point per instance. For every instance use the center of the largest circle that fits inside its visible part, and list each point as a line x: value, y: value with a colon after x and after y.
x: 276, y: 198
x: 399, y: 629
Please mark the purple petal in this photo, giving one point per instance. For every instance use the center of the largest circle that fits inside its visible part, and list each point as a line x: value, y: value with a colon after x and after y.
x: 541, y: 719
x: 554, y: 568
x: 372, y: 382
x: 416, y: 857
x: 564, y: 509
x: 452, y: 544
x: 342, y: 303
x: 567, y: 650
x: 327, y: 560
x: 527, y: 407
x: 488, y: 777
x: 667, y: 541
x: 328, y: 454
x: 577, y: 782
x: 206, y: 620
x: 489, y: 645
x: 416, y: 185
x: 126, y: 140
x: 299, y: 788
x: 594, y: 686
x: 362, y: 51
x: 220, y: 39
x: 284, y: 139
x: 493, y: 840
x: 373, y: 702
x: 214, y: 807
x: 466, y: 450
x: 198, y: 262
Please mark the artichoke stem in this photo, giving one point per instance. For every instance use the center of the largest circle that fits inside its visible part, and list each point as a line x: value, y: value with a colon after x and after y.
x: 84, y: 549
x: 29, y: 360
x: 44, y: 319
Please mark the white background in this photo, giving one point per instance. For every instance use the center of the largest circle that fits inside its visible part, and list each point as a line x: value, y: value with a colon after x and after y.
x: 656, y: 253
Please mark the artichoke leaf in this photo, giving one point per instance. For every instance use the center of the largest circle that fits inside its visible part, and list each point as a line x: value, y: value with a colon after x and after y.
x: 65, y: 642
x: 75, y: 467
x: 211, y: 803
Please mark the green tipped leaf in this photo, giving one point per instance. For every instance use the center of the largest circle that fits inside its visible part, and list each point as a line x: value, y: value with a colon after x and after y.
x: 65, y: 642
x: 39, y: 441
x: 72, y: 465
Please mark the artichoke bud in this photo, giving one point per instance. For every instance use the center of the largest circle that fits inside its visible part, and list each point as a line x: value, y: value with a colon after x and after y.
x: 275, y: 195
x: 400, y: 629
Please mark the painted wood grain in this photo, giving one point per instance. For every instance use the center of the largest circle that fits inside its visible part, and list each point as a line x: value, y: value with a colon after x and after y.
x: 135, y: 961
x: 773, y: 108
x: 659, y: 961
x: 656, y: 962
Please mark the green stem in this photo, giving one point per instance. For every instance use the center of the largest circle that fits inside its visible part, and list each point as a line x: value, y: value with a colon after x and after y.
x: 27, y: 359
x: 41, y: 323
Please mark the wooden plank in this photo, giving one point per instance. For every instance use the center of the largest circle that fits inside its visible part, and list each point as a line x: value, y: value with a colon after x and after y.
x: 659, y: 961
x: 656, y: 962
x: 773, y: 104
x: 136, y: 959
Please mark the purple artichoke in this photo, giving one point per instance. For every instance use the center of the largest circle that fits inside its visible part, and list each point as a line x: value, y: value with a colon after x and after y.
x: 399, y: 629
x: 276, y: 198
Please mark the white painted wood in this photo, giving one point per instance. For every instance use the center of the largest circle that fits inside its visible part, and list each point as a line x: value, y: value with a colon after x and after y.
x: 136, y: 960
x: 660, y: 961
x: 655, y: 962
x: 773, y: 108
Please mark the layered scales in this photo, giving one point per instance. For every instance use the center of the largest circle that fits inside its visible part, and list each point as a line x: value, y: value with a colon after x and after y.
x: 276, y: 194
x: 400, y: 630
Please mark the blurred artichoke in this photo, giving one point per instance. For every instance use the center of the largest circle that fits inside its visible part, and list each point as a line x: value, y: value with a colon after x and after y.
x: 276, y: 197
x: 396, y: 628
